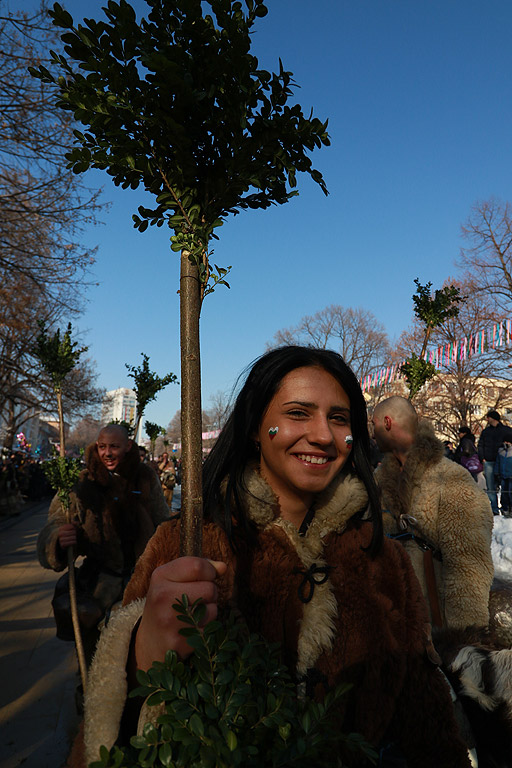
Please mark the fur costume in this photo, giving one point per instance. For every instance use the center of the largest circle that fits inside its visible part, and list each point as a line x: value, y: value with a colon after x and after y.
x: 116, y: 514
x: 438, y: 500
x: 365, y: 624
x: 480, y: 673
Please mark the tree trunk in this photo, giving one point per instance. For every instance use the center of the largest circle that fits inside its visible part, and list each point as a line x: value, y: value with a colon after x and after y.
x: 136, y: 428
x: 192, y: 492
x: 10, y: 428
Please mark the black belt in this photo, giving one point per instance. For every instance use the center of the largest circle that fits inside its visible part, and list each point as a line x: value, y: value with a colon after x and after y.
x: 422, y: 543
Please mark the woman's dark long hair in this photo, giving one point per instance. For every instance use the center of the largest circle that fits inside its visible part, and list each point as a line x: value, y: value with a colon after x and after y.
x: 463, y: 430
x: 236, y: 446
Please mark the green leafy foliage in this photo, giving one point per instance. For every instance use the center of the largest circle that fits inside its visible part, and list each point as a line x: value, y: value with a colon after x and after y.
x: 62, y: 473
x: 177, y: 103
x: 153, y: 430
x: 232, y: 704
x: 147, y: 384
x: 417, y: 372
x: 432, y: 311
x: 58, y: 356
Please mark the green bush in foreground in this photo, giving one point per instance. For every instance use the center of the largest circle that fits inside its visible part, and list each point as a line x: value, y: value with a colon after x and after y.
x: 232, y: 703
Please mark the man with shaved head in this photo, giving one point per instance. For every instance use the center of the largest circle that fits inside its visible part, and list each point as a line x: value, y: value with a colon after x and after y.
x: 435, y: 508
x: 116, y: 506
x: 395, y: 423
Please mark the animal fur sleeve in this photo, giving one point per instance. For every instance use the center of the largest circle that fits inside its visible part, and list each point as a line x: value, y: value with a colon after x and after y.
x: 164, y: 547
x: 161, y: 548
x: 107, y: 685
x: 464, y: 535
x: 49, y: 551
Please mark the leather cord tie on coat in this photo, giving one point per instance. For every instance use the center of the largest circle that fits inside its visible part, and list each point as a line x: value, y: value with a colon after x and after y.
x: 315, y: 574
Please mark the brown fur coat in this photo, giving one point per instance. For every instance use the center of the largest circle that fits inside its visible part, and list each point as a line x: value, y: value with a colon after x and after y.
x: 366, y: 624
x: 439, y: 500
x: 116, y: 514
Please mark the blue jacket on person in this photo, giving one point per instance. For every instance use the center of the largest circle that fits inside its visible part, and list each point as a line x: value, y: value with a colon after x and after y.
x: 503, y: 465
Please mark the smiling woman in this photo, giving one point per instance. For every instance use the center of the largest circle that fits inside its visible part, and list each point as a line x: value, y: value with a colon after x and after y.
x: 312, y: 414
x: 293, y: 541
x: 299, y: 417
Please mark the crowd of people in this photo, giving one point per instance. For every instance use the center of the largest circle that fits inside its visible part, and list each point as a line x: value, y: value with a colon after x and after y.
x: 489, y: 460
x: 379, y: 578
x: 21, y: 479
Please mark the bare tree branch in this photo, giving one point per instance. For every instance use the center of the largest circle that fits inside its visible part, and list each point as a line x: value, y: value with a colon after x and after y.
x: 488, y: 255
x: 43, y: 206
x: 355, y: 333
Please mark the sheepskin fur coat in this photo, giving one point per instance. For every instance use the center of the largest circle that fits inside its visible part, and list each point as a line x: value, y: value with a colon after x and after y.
x: 116, y: 513
x: 438, y: 500
x: 365, y: 624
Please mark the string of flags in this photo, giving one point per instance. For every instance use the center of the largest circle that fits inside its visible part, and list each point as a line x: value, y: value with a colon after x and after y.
x: 499, y: 335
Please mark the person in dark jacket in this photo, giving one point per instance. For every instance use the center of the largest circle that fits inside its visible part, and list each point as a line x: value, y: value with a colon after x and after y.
x: 503, y: 469
x: 490, y: 441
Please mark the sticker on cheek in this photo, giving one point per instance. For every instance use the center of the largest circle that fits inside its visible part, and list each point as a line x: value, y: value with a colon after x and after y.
x: 273, y: 432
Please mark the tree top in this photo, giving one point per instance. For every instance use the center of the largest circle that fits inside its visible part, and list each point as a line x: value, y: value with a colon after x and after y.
x: 176, y: 102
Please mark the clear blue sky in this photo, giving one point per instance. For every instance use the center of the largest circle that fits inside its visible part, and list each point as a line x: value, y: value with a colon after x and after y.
x: 419, y: 99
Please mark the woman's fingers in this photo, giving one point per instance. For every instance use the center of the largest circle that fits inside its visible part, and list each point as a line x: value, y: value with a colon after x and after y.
x: 159, y: 628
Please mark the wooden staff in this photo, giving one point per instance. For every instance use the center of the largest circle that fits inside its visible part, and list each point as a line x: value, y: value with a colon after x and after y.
x: 71, y: 565
x: 192, y: 500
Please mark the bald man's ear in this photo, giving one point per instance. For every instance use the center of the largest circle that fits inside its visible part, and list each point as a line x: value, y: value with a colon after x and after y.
x: 130, y: 443
x: 387, y: 423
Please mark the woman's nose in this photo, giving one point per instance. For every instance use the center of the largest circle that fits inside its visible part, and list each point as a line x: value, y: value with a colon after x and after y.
x: 320, y: 431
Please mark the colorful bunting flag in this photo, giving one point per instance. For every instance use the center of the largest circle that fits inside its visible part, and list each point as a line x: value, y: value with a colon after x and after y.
x: 498, y: 336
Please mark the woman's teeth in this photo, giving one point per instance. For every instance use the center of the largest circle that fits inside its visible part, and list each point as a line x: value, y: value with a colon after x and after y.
x: 312, y: 459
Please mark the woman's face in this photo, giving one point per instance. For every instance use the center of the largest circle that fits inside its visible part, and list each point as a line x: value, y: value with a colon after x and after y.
x: 312, y: 414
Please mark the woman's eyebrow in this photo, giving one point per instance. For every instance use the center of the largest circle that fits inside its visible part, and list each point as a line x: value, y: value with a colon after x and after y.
x: 306, y: 404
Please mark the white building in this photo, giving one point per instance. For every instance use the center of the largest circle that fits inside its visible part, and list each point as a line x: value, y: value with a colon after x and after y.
x: 121, y: 405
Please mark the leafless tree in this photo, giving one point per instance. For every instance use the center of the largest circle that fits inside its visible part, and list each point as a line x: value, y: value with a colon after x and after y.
x: 43, y: 206
x: 219, y: 410
x: 173, y: 431
x: 355, y: 333
x: 43, y: 210
x: 84, y: 432
x: 488, y: 254
x: 24, y: 387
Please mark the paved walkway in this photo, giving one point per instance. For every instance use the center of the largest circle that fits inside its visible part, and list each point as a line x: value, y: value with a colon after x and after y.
x: 37, y: 671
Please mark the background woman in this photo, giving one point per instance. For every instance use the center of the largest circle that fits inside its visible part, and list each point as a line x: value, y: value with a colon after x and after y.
x: 466, y: 453
x: 292, y: 536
